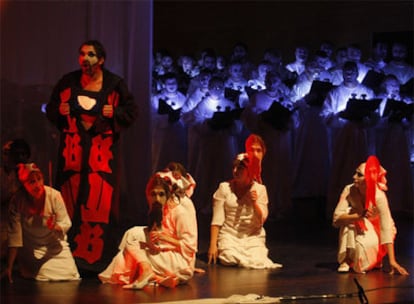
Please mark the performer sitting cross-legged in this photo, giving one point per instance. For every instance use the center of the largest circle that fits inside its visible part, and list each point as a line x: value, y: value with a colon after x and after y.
x: 164, y: 251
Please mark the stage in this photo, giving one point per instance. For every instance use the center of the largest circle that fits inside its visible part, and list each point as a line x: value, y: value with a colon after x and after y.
x: 305, y: 244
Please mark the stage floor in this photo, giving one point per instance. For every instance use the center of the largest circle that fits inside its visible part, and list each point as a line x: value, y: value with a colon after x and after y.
x: 305, y: 245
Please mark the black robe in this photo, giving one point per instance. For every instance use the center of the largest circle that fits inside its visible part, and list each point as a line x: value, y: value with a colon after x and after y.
x: 88, y: 170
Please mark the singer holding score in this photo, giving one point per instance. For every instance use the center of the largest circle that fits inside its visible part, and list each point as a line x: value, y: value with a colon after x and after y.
x: 237, y: 236
x: 367, y: 229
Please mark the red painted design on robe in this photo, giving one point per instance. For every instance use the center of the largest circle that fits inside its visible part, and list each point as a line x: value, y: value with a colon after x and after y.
x: 90, y: 244
x: 72, y: 127
x: 100, y: 154
x: 65, y: 95
x: 113, y: 99
x: 70, y: 190
x: 99, y: 202
x: 72, y: 153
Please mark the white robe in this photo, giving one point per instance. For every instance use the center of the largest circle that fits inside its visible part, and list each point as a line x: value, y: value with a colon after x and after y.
x: 363, y: 247
x: 242, y: 238
x: 179, y: 222
x: 296, y: 67
x: 43, y: 254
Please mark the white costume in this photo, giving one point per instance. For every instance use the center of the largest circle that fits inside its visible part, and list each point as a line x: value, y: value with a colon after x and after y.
x: 296, y: 67
x: 43, y: 254
x: 242, y: 238
x: 179, y: 222
x: 363, y: 247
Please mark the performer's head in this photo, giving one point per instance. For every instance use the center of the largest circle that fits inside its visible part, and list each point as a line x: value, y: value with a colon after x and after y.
x: 235, y: 71
x: 98, y: 47
x: 369, y: 175
x: 170, y: 82
x: 242, y: 169
x: 350, y: 72
x: 359, y: 177
x: 216, y: 87
x: 256, y: 149
x: 204, y: 78
x: 390, y: 86
x: 91, y: 56
x: 301, y: 53
x: 272, y: 81
x: 255, y: 146
x: 158, y: 190
x: 31, y: 178
x: 399, y: 52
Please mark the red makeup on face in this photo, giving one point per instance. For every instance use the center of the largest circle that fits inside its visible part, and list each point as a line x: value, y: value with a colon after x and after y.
x: 34, y: 185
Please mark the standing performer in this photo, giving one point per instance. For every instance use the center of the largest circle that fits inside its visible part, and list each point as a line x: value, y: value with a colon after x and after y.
x: 90, y: 107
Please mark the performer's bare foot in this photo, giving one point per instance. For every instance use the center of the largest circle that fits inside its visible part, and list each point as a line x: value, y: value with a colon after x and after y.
x: 143, y: 279
x: 199, y: 270
x: 141, y: 282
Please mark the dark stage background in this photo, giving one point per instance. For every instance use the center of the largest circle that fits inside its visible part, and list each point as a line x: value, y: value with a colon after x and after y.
x: 190, y: 26
x: 39, y: 42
